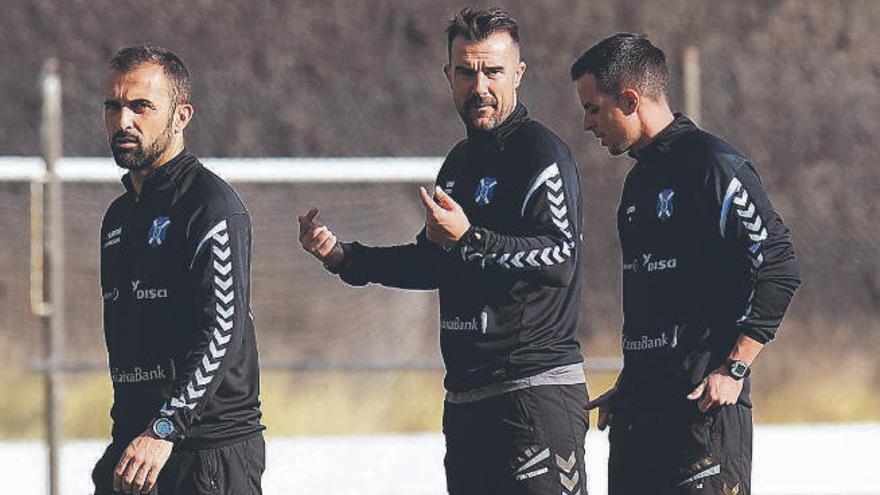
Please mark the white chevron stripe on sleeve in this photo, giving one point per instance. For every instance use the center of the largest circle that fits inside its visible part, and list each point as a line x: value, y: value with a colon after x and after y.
x: 741, y: 199
x: 225, y: 325
x: 558, y: 212
x: 201, y: 379
x: 193, y: 393
x: 222, y: 269
x: 545, y: 255
x: 208, y: 365
x: 222, y: 340
x: 226, y: 298
x: 562, y: 224
x: 558, y: 257
x: 503, y: 259
x: 222, y: 238
x: 222, y: 254
x: 530, y: 259
x: 753, y: 226
x: 747, y: 213
x: 223, y: 284
x: 225, y: 313
x: 216, y: 353
x: 759, y: 237
x: 516, y: 260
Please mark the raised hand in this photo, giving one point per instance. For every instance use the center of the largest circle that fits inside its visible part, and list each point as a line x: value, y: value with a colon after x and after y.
x: 318, y: 240
x: 445, y: 221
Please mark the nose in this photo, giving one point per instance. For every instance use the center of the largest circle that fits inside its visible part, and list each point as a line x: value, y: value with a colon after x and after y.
x: 481, y: 83
x: 119, y: 118
x: 126, y: 118
x: 589, y: 122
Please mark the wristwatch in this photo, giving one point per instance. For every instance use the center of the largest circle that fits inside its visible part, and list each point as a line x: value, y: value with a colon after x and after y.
x: 164, y: 429
x: 738, y: 369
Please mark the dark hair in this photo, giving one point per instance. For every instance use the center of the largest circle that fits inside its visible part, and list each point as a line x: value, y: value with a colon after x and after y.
x: 625, y: 60
x: 131, y: 58
x: 477, y: 24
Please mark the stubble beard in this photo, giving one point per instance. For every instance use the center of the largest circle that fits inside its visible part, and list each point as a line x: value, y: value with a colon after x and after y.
x: 472, y: 122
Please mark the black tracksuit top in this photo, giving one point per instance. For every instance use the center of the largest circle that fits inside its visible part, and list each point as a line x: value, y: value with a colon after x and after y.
x: 175, y: 275
x: 705, y: 259
x: 510, y: 291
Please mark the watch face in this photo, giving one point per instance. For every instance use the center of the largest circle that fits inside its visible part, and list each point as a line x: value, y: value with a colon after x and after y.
x: 163, y: 428
x: 739, y: 369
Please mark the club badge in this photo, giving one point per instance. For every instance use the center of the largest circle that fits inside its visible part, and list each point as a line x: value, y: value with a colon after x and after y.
x: 664, y: 204
x: 158, y: 231
x: 485, y: 190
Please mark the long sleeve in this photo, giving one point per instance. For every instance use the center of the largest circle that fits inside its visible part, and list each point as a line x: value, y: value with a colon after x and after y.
x: 221, y: 284
x: 753, y: 229
x: 546, y: 251
x: 408, y: 266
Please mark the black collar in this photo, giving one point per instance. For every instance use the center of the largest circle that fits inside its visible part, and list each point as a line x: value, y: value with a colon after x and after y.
x: 662, y: 142
x: 162, y: 177
x: 502, y: 131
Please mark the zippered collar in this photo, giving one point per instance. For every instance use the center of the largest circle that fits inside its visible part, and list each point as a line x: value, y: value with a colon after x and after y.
x: 163, y: 177
x: 663, y: 141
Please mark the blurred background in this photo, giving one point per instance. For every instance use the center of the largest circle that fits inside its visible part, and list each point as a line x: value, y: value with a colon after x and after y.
x: 795, y: 85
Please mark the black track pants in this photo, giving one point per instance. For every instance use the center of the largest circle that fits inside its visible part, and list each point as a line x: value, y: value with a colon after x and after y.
x: 525, y: 442
x: 681, y: 451
x: 234, y: 469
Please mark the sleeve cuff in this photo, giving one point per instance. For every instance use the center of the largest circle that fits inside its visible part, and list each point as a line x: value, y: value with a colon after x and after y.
x: 346, y: 259
x: 762, y: 337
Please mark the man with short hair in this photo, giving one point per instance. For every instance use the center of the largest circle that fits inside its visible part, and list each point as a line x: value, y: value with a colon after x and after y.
x: 708, y: 273
x: 502, y: 245
x: 175, y: 276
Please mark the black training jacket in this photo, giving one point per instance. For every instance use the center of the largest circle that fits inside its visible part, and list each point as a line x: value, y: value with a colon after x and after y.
x: 175, y: 275
x: 705, y: 259
x: 510, y: 290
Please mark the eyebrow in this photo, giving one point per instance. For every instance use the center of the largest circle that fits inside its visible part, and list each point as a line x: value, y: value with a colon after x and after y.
x: 485, y: 67
x: 139, y: 101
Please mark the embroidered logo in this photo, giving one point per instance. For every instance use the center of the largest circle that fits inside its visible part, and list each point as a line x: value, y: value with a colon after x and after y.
x: 664, y: 204
x: 158, y: 231
x: 113, y: 237
x: 450, y: 184
x: 485, y: 190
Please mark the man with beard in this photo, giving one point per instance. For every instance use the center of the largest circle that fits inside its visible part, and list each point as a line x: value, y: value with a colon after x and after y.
x: 708, y: 273
x: 175, y: 275
x: 502, y: 245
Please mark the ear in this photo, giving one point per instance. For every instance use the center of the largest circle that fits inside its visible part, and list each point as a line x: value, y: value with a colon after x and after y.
x: 447, y: 69
x: 518, y: 73
x: 183, y: 115
x: 629, y: 101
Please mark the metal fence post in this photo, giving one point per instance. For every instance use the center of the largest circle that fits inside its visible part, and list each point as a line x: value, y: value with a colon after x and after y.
x: 53, y: 252
x: 691, y: 76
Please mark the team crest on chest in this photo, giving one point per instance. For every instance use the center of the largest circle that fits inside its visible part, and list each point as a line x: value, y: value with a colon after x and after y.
x: 485, y: 190
x: 158, y: 231
x: 664, y: 204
